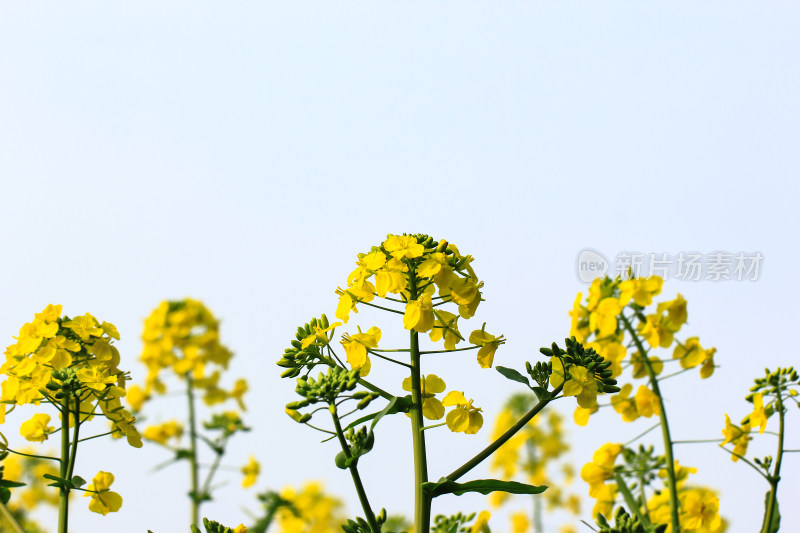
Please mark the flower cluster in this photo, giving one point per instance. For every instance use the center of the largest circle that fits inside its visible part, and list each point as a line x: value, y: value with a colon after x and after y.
x: 699, y: 506
x: 614, y: 317
x: 424, y: 274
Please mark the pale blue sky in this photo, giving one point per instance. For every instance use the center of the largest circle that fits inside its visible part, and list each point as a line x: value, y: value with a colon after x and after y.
x: 243, y: 153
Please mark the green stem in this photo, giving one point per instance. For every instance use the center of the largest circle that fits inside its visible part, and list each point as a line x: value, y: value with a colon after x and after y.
x: 75, y: 432
x: 6, y: 513
x: 362, y: 495
x: 422, y: 502
x: 775, y: 478
x: 502, y: 439
x: 672, y: 486
x: 63, y: 496
x: 629, y: 499
x: 195, y: 493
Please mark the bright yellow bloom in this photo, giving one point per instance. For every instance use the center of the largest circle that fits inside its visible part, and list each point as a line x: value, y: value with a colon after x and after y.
x: 583, y: 385
x: 690, y: 353
x: 241, y: 528
x: 250, y: 471
x: 237, y: 393
x: 641, y: 290
x: 481, y: 524
x: 464, y: 417
x: 161, y: 433
x: 700, y: 509
x: 403, y: 246
x: 346, y: 304
x: 391, y: 278
x: 356, y: 345
x: 488, y: 344
x: 432, y: 409
x: 579, y: 327
x: 36, y: 429
x: 738, y: 436
x: 604, y: 318
x: 647, y: 402
x: 419, y: 314
x: 104, y: 501
x: 446, y: 326
x: 639, y: 368
x: 624, y: 404
x: 759, y: 416
x: 581, y: 415
x: 432, y: 265
x: 676, y: 311
x: 85, y: 327
x: 520, y: 522
x: 657, y: 331
x: 606, y: 496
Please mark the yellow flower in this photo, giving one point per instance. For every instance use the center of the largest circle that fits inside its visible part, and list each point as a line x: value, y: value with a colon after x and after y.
x: 641, y: 290
x: 346, y: 304
x: 579, y: 327
x: 241, y: 528
x: 432, y: 409
x: 432, y: 265
x: 391, y: 278
x: 85, y: 327
x: 446, y: 326
x: 605, y: 496
x: 250, y: 471
x: 657, y: 331
x: 759, y: 416
x: 676, y: 311
x: 36, y: 429
x: 161, y: 433
x: 581, y: 415
x: 103, y: 501
x: 647, y: 402
x: 319, y: 336
x: 520, y: 522
x: 624, y: 404
x: 238, y: 392
x: 419, y: 314
x: 356, y: 345
x: 604, y: 318
x: 488, y: 344
x: 639, y: 368
x: 700, y: 509
x: 738, y: 436
x: 690, y: 353
x: 481, y: 524
x: 583, y: 385
x: 403, y: 246
x: 464, y: 417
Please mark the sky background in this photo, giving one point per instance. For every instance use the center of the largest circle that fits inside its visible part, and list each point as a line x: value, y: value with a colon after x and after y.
x: 243, y: 153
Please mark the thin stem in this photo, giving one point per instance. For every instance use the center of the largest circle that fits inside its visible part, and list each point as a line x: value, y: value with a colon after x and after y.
x: 502, y: 439
x: 395, y: 361
x: 640, y: 435
x: 697, y: 441
x: 448, y: 351
x: 422, y: 502
x: 6, y: 513
x: 212, y: 471
x: 63, y: 496
x: 98, y: 436
x: 672, y: 486
x: 75, y: 432
x: 362, y: 495
x: 373, y: 305
x: 629, y: 499
x: 9, y: 450
x: 195, y: 494
x: 745, y: 461
x: 775, y: 478
x: 434, y: 426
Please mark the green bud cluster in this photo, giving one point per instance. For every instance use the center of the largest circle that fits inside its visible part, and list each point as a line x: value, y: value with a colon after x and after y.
x: 540, y: 373
x: 296, y: 358
x: 327, y: 387
x: 359, y: 525
x: 641, y: 464
x: 212, y: 527
x: 577, y: 355
x: 774, y: 383
x: 624, y: 523
x: 64, y: 382
x: 456, y: 523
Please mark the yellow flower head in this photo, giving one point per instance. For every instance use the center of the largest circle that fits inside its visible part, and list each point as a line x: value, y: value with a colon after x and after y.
x: 583, y: 385
x: 36, y: 429
x: 103, y: 501
x: 250, y: 471
x: 488, y: 344
x: 432, y: 409
x: 464, y: 417
x: 419, y: 314
x: 356, y: 345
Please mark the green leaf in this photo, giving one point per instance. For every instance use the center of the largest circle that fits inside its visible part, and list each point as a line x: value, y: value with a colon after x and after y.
x: 8, y: 483
x: 541, y: 393
x: 513, y: 375
x: 5, y: 495
x: 776, y: 517
x: 484, y: 486
x: 77, y: 482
